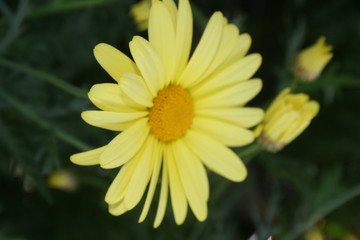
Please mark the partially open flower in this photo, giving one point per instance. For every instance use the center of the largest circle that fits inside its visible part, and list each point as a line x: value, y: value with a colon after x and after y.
x: 311, y: 61
x: 140, y: 12
x: 286, y: 118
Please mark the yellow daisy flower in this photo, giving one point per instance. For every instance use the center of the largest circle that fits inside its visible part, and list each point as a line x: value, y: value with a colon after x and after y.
x: 175, y: 114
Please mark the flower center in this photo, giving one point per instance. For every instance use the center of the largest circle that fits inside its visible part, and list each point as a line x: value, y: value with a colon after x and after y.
x: 171, y: 114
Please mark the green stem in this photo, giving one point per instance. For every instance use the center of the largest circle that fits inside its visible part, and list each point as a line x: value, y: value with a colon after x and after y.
x: 323, y: 211
x: 249, y: 152
x: 293, y: 84
x: 45, y: 77
x: 42, y: 122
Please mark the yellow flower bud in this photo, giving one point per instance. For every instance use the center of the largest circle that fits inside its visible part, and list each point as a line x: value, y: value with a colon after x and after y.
x: 140, y: 12
x: 311, y: 61
x: 63, y: 179
x: 286, y: 118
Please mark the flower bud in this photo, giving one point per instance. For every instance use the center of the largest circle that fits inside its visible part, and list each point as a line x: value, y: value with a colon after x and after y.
x: 285, y: 119
x: 311, y: 61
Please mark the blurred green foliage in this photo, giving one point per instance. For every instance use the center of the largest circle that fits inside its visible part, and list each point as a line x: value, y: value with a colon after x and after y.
x: 47, y: 66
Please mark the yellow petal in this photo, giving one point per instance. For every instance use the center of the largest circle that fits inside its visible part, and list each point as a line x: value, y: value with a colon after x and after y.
x: 157, y: 160
x: 231, y: 96
x: 298, y: 100
x: 258, y: 130
x: 116, y: 121
x: 118, y: 187
x: 240, y: 49
x: 190, y: 176
x: 199, y: 168
x: 216, y: 156
x: 277, y: 104
x: 110, y: 97
x: 113, y: 61
x: 237, y: 72
x: 204, y: 53
x: 149, y: 63
x: 162, y: 37
x: 226, y: 133
x: 228, y: 40
x: 246, y: 117
x: 275, y: 127
x: 294, y: 130
x: 135, y: 88
x: 312, y: 108
x: 125, y: 145
x: 163, y: 196
x: 171, y: 7
x: 178, y: 199
x: 141, y: 176
x: 106, y: 96
x: 88, y: 158
x: 184, y: 31
x: 117, y: 208
x: 299, y: 129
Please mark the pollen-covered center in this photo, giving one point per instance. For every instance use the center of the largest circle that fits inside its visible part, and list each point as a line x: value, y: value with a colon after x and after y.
x: 171, y: 114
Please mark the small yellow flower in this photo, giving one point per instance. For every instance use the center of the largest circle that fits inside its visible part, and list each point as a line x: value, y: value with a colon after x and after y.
x: 310, y: 62
x: 63, y: 179
x: 176, y: 115
x: 140, y: 12
x: 286, y: 118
